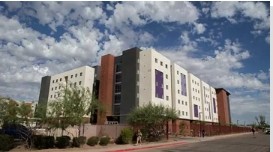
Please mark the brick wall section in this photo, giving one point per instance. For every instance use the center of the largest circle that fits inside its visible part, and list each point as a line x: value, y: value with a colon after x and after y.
x: 223, y: 106
x: 175, y: 127
x: 106, y: 86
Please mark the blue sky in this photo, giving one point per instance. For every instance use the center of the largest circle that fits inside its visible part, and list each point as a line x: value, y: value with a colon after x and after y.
x: 224, y: 43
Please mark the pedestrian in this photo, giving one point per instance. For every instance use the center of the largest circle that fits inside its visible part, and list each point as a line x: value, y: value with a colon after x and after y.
x: 203, y: 133
x: 253, y: 131
x: 139, y: 135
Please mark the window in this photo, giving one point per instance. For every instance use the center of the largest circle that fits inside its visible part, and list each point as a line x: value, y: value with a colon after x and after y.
x: 55, y: 88
x: 76, y: 75
x: 192, y: 89
x: 167, y: 87
x: 182, y: 102
x: 177, y: 72
x: 186, y: 103
x: 51, y: 96
x: 167, y: 98
x: 81, y: 74
x: 53, y: 81
x: 155, y: 60
x: 166, y: 76
x: 75, y: 83
x: 59, y: 87
x: 178, y: 101
x: 118, y: 78
x: 52, y: 89
x: 80, y: 82
x: 70, y: 84
x: 192, y: 81
x: 118, y: 67
x: 193, y: 97
x: 161, y: 63
x: 56, y: 80
x: 178, y: 112
x: 117, y: 88
x: 186, y: 113
x: 183, y: 113
x: 117, y: 98
x: 71, y: 76
x: 166, y: 66
x: 177, y: 81
x: 54, y: 96
x: 178, y: 91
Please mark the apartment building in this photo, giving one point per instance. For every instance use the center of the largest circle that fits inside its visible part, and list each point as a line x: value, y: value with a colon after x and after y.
x: 180, y: 92
x: 52, y: 85
x: 136, y: 78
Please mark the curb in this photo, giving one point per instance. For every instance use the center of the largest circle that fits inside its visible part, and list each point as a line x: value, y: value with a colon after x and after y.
x: 148, y: 147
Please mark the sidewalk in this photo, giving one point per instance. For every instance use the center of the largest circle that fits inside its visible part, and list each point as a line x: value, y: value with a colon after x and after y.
x: 130, y: 147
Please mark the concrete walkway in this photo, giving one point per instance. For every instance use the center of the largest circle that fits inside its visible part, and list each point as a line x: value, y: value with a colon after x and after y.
x: 145, y: 146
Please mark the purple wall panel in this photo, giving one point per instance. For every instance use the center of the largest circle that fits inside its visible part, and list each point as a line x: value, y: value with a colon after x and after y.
x: 214, y: 106
x: 195, y: 110
x: 159, y: 84
x: 183, y: 85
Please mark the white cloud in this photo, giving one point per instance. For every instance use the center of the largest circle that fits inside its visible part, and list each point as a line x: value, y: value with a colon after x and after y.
x: 199, y: 28
x: 139, y: 13
x: 267, y: 39
x: 207, y: 40
x: 256, y: 11
x: 219, y: 70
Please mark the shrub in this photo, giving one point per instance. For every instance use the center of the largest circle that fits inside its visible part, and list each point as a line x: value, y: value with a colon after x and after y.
x: 126, y: 135
x: 49, y: 141
x: 6, y: 143
x: 92, y: 141
x: 82, y: 140
x: 78, y: 141
x: 39, y: 142
x: 63, y: 141
x: 104, y: 140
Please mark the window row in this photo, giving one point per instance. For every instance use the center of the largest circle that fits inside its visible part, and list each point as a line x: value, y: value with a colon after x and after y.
x: 55, y: 95
x: 182, y: 102
x: 196, y: 98
x: 195, y: 82
x: 71, y: 84
x: 182, y: 113
x: 161, y: 63
x: 66, y: 77
x: 195, y: 90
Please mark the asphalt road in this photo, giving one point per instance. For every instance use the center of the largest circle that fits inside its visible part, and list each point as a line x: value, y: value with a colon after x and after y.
x: 242, y: 143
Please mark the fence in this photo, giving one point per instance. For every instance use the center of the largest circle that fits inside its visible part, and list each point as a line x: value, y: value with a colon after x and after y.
x: 216, y: 129
x: 87, y: 130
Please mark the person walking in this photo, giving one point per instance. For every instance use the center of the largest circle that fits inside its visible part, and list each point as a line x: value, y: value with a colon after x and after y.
x: 203, y: 133
x: 253, y: 132
x: 139, y: 135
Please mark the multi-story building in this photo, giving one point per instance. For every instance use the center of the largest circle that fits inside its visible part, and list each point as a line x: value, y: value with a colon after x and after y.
x: 180, y: 92
x: 155, y: 85
x: 136, y: 78
x: 223, y: 106
x: 52, y: 85
x: 196, y: 112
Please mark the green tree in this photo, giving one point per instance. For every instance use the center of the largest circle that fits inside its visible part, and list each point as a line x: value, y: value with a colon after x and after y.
x: 261, y: 122
x: 25, y: 113
x: 151, y: 118
x: 71, y: 108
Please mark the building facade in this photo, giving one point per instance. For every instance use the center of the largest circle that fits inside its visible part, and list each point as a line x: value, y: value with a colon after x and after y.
x: 52, y: 85
x: 136, y: 78
x: 223, y: 106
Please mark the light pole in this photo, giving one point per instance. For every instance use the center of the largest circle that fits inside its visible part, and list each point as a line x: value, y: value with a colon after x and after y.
x: 237, y: 122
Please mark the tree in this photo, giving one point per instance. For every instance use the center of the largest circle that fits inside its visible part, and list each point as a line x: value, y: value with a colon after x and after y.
x: 261, y: 122
x: 151, y: 118
x: 25, y: 113
x: 75, y: 103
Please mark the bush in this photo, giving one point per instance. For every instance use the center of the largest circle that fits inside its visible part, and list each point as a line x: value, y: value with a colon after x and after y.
x: 92, y: 141
x: 63, y: 141
x: 126, y: 135
x: 6, y: 143
x: 43, y: 142
x: 78, y: 141
x: 104, y: 140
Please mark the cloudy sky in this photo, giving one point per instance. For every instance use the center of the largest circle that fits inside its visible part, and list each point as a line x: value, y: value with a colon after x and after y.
x: 224, y: 43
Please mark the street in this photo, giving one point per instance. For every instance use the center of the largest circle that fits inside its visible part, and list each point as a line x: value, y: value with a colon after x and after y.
x: 242, y: 143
